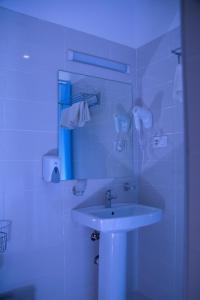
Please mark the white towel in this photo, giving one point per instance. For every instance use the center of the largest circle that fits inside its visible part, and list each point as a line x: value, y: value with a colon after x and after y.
x: 178, y: 84
x: 75, y: 116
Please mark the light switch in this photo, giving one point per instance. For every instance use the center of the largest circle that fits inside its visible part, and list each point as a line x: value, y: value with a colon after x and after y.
x: 160, y: 141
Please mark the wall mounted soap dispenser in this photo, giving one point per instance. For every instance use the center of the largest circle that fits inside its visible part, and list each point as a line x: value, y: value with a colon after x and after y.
x: 51, y: 168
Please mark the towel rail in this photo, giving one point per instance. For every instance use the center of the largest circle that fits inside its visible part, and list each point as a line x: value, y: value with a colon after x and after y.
x: 178, y: 53
x: 92, y: 99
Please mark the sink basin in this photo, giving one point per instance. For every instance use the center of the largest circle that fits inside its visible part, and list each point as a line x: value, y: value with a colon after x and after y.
x: 120, y: 217
x: 113, y: 223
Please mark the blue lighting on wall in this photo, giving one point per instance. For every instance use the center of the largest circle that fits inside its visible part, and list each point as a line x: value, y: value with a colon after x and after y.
x: 98, y: 61
x: 64, y: 135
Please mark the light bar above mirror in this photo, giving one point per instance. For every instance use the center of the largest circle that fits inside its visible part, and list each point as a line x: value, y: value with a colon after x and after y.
x: 98, y: 61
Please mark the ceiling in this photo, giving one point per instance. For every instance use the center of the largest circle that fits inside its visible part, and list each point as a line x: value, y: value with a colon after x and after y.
x: 128, y: 22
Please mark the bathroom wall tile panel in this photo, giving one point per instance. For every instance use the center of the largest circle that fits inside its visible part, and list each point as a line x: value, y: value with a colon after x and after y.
x: 164, y: 231
x: 3, y: 84
x: 38, y: 58
x: 132, y: 259
x: 36, y: 227
x: 164, y: 237
x: 119, y: 168
x: 86, y: 43
x: 169, y: 113
x: 179, y: 120
x: 48, y: 216
x: 180, y: 159
x: 158, y: 96
x: 152, y: 175
x: 42, y: 254
x: 153, y: 154
x: 87, y: 286
x: 24, y: 115
x: 25, y: 266
x: 2, y: 116
x: 162, y: 197
x: 153, y: 52
x: 18, y: 209
x: 2, y: 201
x: 40, y: 35
x: 47, y: 289
x: 161, y: 179
x: 160, y: 72
x: 22, y: 145
x: 27, y: 28
x: 174, y: 38
x: 30, y: 86
x: 122, y: 54
x: 15, y: 269
x: 158, y: 246
x: 159, y: 271
x: 157, y: 275
x: 161, y: 124
x: 145, y: 83
x: 45, y: 260
x: 24, y: 175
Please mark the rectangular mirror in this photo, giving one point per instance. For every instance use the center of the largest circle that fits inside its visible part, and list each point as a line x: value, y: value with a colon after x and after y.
x: 95, y: 138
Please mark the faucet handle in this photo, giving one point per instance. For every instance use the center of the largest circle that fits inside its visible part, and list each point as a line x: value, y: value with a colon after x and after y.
x: 128, y: 186
x: 109, y: 194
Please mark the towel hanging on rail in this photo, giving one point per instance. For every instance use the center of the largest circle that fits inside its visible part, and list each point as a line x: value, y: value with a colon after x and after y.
x: 75, y: 116
x: 178, y: 84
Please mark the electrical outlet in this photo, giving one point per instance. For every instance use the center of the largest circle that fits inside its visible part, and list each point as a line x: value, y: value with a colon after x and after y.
x: 160, y: 141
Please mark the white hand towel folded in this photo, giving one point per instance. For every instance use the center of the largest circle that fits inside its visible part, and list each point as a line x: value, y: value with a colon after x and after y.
x: 75, y: 116
x: 178, y: 84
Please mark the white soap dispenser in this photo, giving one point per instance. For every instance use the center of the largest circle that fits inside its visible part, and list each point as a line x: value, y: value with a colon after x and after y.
x: 51, y: 168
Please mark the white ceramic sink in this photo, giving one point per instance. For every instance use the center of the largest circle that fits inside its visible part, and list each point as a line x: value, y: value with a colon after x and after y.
x: 120, y: 217
x: 113, y: 223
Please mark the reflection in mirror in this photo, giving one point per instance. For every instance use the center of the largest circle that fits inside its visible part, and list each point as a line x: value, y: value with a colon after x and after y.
x: 94, y: 127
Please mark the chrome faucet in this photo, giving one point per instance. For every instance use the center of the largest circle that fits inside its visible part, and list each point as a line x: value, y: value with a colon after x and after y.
x: 108, y: 199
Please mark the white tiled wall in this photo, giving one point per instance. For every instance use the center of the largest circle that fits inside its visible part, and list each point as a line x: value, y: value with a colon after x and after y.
x: 47, y: 252
x: 161, y: 181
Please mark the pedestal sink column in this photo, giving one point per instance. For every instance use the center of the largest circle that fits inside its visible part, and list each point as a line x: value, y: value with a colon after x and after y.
x: 112, y: 266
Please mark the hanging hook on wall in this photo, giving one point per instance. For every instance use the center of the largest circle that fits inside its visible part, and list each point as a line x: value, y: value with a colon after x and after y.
x: 178, y: 53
